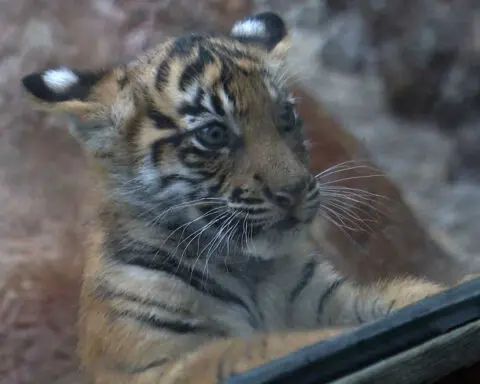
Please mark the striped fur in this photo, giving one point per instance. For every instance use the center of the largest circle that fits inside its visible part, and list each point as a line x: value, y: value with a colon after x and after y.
x: 201, y: 262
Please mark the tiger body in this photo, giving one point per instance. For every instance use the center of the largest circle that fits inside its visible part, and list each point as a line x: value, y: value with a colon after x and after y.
x: 201, y: 262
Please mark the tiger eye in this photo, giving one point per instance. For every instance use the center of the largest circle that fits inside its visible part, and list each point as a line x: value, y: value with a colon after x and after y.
x: 213, y: 137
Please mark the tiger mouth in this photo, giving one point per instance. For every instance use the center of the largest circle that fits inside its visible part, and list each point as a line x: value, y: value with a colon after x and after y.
x: 287, y: 223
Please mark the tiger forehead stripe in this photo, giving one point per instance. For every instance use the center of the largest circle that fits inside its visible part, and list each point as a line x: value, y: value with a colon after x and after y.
x: 212, y: 104
x: 176, y: 68
x: 149, y: 135
x: 226, y: 101
x: 192, y: 94
x: 195, y: 69
x: 212, y: 73
x: 163, y: 72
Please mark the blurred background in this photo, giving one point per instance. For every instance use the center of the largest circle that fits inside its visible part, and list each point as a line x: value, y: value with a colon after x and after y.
x: 403, y: 76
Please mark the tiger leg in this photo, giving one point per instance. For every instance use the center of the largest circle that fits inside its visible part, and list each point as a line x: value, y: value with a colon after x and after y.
x: 400, y: 293
x: 347, y: 304
x: 219, y: 360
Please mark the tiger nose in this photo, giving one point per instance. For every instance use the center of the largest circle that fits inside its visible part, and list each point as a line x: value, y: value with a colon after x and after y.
x: 289, y: 197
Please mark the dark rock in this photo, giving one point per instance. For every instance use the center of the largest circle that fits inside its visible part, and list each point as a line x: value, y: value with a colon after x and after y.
x: 464, y: 166
x: 308, y: 14
x: 459, y: 94
x: 339, y: 5
x: 422, y: 46
x: 348, y: 48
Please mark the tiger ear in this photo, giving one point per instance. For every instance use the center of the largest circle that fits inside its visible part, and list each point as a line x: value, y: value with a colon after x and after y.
x: 267, y: 30
x: 86, y: 97
x: 64, y: 90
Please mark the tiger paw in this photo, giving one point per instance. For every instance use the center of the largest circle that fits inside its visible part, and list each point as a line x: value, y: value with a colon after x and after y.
x: 469, y: 277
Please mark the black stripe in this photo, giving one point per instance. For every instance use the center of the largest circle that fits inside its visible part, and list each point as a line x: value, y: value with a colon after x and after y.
x: 214, y: 189
x: 390, y: 307
x: 217, y: 105
x: 136, y: 369
x: 194, y: 164
x: 252, y: 200
x: 183, y: 45
x: 226, y: 77
x: 206, y: 174
x: 105, y: 292
x: 160, y: 260
x: 174, y: 326
x: 191, y: 159
x: 314, y: 195
x: 123, y: 80
x: 192, y: 110
x: 312, y: 184
x: 163, y: 73
x: 198, y: 98
x: 157, y: 145
x: 356, y: 309
x: 175, y: 140
x: 327, y: 294
x: 156, y: 151
x: 305, y: 278
x: 236, y: 193
x: 184, y: 152
x: 195, y: 69
x: 377, y: 310
x: 161, y: 121
x: 231, y: 53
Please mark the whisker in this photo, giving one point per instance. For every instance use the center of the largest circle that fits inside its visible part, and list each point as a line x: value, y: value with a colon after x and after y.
x: 361, y: 201
x: 198, y: 232
x: 197, y: 259
x: 357, y: 191
x: 353, y: 199
x: 218, y: 240
x: 328, y: 212
x: 330, y: 172
x: 352, y: 217
x: 193, y: 203
x: 185, y: 226
x: 352, y: 178
x: 369, y: 217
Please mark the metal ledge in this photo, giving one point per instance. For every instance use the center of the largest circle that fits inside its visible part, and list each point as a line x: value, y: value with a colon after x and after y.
x: 405, y: 337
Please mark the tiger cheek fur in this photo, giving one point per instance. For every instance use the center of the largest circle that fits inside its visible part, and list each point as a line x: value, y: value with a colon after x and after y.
x: 200, y: 256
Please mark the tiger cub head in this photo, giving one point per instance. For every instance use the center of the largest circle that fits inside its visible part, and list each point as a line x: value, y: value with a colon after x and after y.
x: 200, y: 124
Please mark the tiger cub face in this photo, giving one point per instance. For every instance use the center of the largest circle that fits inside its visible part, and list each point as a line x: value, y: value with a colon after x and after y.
x: 201, y: 124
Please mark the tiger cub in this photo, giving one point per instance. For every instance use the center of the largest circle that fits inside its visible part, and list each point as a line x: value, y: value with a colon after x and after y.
x: 201, y: 264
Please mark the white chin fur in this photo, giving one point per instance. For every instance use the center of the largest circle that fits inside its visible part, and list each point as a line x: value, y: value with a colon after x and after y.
x: 274, y: 244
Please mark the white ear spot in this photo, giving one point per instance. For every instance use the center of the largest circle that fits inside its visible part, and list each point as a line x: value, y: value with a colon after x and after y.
x: 249, y: 28
x: 60, y: 80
